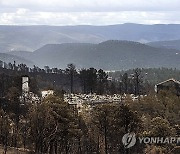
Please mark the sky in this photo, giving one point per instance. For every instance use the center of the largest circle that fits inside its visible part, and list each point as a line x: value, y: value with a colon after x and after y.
x: 88, y: 12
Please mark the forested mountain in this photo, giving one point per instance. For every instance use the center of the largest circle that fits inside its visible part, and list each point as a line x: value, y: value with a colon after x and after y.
x: 172, y: 44
x: 33, y: 37
x: 109, y: 55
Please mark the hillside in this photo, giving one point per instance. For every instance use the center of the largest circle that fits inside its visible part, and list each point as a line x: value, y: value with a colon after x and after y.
x: 22, y: 54
x: 11, y: 58
x: 108, y: 55
x: 173, y: 44
x: 30, y: 38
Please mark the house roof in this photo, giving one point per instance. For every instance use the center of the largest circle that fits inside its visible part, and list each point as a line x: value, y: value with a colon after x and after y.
x: 172, y: 79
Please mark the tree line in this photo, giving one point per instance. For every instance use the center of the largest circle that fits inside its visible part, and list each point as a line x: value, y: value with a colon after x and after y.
x: 73, y: 80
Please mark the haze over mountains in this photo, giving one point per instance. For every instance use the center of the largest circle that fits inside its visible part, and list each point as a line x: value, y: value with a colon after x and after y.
x: 93, y: 46
x: 30, y: 38
x: 172, y: 44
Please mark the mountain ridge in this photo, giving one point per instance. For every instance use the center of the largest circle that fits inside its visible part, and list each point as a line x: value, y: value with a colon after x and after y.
x: 108, y: 55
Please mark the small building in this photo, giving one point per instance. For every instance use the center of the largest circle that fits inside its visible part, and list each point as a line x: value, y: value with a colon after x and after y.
x: 170, y: 84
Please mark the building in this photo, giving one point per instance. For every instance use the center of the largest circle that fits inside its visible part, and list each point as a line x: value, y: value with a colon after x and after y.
x: 170, y: 84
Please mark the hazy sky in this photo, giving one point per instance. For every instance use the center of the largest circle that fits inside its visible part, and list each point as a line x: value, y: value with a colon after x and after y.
x: 88, y: 12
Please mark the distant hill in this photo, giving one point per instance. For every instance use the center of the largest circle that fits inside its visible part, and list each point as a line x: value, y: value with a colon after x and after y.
x: 22, y: 54
x: 108, y: 55
x: 173, y: 44
x: 30, y: 38
x: 11, y: 58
